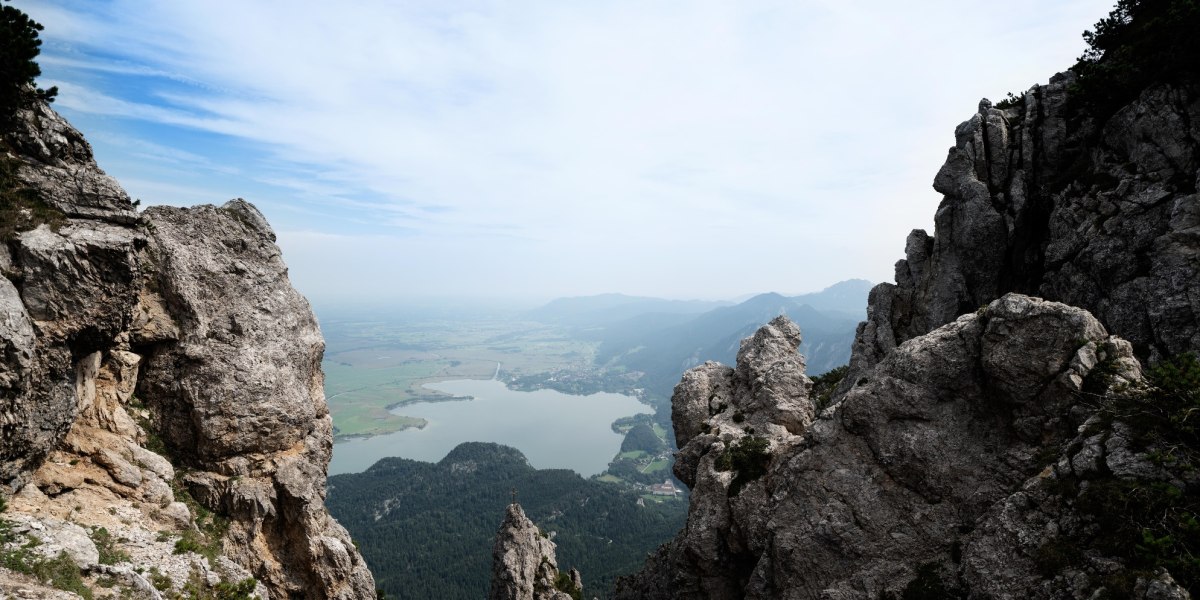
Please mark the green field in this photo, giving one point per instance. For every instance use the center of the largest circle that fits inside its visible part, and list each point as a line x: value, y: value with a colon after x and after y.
x: 373, y: 366
x: 660, y: 464
x: 660, y: 431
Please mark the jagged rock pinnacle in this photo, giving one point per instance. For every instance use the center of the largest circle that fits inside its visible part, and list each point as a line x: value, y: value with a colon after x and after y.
x: 524, y: 566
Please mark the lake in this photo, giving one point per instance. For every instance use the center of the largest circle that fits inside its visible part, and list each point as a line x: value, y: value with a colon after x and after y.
x: 554, y: 430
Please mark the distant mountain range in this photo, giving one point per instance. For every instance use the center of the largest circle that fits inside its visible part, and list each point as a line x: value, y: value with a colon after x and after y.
x: 664, y: 338
x: 603, y: 309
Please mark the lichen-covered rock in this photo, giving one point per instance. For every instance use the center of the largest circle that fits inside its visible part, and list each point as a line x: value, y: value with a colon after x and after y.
x: 55, y: 536
x: 245, y: 332
x: 74, y: 288
x: 524, y: 566
x: 31, y: 418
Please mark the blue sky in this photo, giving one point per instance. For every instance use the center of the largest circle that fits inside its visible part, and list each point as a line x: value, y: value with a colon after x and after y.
x: 527, y: 150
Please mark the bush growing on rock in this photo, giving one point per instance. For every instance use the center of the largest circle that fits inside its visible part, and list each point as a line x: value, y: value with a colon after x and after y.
x: 1139, y: 44
x: 747, y: 458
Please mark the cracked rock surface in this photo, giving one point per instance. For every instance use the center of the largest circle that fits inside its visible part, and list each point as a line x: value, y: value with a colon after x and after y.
x: 160, y: 379
x: 1040, y: 200
x: 910, y: 468
x: 524, y: 565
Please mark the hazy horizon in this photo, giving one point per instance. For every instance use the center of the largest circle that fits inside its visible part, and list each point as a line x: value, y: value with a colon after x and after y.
x: 526, y: 151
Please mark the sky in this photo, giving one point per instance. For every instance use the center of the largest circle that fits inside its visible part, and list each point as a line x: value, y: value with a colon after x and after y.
x: 427, y: 150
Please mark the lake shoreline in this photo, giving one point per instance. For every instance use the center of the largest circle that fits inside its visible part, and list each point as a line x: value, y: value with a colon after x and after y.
x: 553, y: 429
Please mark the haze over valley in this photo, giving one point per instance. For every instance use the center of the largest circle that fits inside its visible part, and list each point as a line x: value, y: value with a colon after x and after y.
x: 553, y: 301
x: 579, y: 389
x: 387, y: 370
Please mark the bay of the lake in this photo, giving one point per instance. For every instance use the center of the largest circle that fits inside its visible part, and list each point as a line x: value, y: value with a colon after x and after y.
x: 554, y: 430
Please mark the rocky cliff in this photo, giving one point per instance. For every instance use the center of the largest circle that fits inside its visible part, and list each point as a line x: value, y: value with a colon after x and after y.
x: 997, y: 436
x: 524, y: 565
x: 1039, y: 198
x: 161, y: 397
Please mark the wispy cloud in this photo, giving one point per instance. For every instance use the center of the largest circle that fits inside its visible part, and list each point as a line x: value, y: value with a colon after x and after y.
x: 620, y: 145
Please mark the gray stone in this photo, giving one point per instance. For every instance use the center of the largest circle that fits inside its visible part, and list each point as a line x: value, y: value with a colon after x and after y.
x: 58, y: 163
x: 56, y: 536
x: 945, y: 432
x: 524, y: 566
x: 31, y: 423
x: 969, y: 402
x: 1018, y: 215
x: 232, y: 379
x: 237, y: 387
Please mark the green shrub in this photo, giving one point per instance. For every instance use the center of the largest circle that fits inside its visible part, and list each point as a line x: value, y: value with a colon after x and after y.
x: 106, y: 545
x: 563, y: 583
x: 196, y: 588
x: 212, y: 527
x: 825, y: 384
x: 1011, y: 101
x: 189, y: 542
x: 1140, y: 43
x: 747, y: 458
x: 1165, y: 410
x: 1148, y: 524
x: 160, y: 580
x: 60, y: 571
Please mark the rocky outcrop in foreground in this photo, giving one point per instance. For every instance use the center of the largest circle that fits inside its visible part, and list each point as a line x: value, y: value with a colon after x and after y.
x: 160, y: 392
x: 931, y: 468
x: 1041, y: 200
x: 986, y: 443
x: 524, y: 566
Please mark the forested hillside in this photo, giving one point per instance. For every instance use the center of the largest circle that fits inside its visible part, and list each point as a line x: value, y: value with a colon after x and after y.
x: 426, y: 529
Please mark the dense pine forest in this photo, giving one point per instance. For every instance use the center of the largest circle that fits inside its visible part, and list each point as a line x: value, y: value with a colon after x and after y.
x: 426, y: 529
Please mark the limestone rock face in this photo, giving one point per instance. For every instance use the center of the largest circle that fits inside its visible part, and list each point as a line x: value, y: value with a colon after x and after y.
x: 244, y: 332
x: 238, y: 395
x: 156, y: 368
x: 899, y: 473
x: 58, y: 163
x: 524, y: 566
x: 754, y: 412
x: 1041, y: 200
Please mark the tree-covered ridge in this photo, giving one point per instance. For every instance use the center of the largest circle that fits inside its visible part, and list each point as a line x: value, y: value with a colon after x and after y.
x: 1139, y: 44
x: 426, y: 529
x: 19, y: 46
x: 642, y: 437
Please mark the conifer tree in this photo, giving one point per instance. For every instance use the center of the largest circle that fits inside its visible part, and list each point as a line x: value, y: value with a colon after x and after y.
x: 19, y: 46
